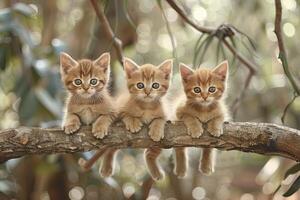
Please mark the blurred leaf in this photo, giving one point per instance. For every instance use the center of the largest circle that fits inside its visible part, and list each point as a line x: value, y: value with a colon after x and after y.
x: 22, y: 33
x: 3, y: 58
x: 24, y: 9
x: 199, y: 49
x: 251, y: 42
x: 218, y: 51
x: 5, y: 15
x: 28, y: 106
x: 196, y: 48
x: 55, y: 86
x: 294, y: 187
x: 208, y: 42
x: 21, y: 87
x: 292, y: 170
x: 295, y: 168
x: 48, y: 102
x: 232, y: 40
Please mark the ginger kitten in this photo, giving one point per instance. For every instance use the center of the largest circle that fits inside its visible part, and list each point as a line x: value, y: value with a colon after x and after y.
x: 88, y: 102
x: 203, y: 104
x: 147, y: 84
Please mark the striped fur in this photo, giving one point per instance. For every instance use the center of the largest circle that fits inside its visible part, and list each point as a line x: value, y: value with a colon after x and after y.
x: 86, y: 103
x: 202, y: 107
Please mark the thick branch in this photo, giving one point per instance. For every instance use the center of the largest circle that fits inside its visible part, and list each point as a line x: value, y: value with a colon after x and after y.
x: 262, y: 138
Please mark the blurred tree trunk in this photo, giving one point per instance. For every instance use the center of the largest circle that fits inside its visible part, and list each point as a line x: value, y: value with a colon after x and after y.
x: 49, y: 10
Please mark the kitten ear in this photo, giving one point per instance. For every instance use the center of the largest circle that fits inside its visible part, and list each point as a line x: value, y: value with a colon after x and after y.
x: 129, y: 66
x: 221, y: 69
x: 185, y: 72
x: 103, y: 61
x: 166, y: 67
x: 66, y: 62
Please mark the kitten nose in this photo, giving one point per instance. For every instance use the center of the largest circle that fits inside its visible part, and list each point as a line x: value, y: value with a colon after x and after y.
x: 85, y: 88
x: 204, y: 96
x: 147, y: 92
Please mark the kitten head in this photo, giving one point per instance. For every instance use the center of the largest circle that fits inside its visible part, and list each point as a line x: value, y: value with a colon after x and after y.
x: 84, y: 77
x: 148, y: 82
x: 204, y: 86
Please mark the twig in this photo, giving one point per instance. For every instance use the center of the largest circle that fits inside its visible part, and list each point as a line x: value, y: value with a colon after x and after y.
x: 221, y: 33
x: 108, y: 30
x: 287, y: 107
x: 224, y: 30
x: 188, y: 20
x: 282, y: 53
x: 172, y: 38
x: 117, y: 43
x: 241, y: 58
x: 283, y: 56
x: 262, y: 138
x: 236, y: 102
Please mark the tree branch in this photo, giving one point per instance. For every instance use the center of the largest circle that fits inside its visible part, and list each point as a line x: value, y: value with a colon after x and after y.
x: 108, y: 30
x: 282, y: 53
x: 221, y: 33
x: 262, y: 138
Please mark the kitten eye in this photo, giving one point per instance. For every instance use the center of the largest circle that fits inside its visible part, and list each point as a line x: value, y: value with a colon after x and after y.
x: 197, y: 89
x: 93, y: 81
x: 155, y: 85
x: 212, y: 89
x: 140, y: 85
x: 77, y: 82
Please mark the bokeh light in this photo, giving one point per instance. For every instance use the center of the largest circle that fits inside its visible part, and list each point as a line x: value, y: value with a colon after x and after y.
x: 76, y: 193
x: 198, y: 193
x: 289, y: 29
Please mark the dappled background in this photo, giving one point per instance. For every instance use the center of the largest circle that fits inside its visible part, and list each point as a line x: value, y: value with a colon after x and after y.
x: 33, y: 33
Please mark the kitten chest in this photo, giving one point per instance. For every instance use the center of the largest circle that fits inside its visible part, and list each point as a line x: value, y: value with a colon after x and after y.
x: 87, y: 116
x: 149, y: 115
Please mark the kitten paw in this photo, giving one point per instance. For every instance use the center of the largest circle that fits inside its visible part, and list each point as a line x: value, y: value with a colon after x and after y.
x: 156, y: 132
x: 217, y: 132
x: 71, y: 128
x: 180, y: 173
x: 132, y: 124
x: 157, y: 175
x: 100, y: 130
x: 195, y: 131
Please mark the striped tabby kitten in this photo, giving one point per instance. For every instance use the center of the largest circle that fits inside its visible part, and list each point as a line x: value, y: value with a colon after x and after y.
x: 88, y: 102
x: 203, y: 103
x: 147, y: 84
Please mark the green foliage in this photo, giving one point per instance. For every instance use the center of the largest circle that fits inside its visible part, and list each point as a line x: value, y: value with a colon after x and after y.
x: 295, y: 185
x: 293, y: 189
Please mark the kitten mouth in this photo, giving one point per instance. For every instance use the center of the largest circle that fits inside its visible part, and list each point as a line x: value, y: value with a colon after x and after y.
x: 205, y: 102
x: 86, y: 95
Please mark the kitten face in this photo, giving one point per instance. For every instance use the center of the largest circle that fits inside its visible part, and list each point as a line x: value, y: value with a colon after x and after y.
x: 85, y: 77
x: 148, y: 82
x: 204, y: 86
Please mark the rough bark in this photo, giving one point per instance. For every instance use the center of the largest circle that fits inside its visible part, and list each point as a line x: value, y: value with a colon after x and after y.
x: 262, y: 138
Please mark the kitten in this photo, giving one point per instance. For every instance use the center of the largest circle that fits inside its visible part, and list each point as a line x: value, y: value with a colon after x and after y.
x: 147, y: 84
x: 88, y: 101
x: 203, y: 104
